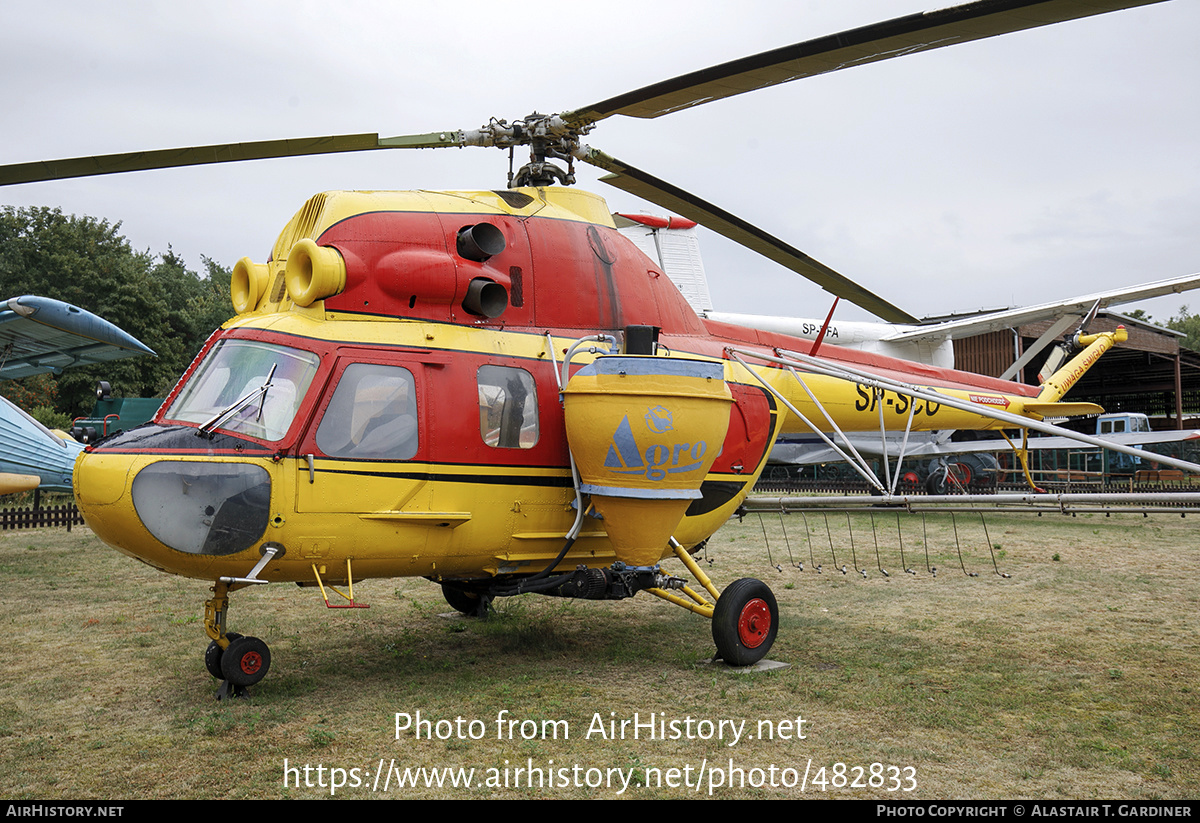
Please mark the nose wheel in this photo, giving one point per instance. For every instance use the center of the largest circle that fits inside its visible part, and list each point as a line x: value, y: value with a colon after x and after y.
x: 213, y: 654
x: 242, y: 661
x: 246, y: 661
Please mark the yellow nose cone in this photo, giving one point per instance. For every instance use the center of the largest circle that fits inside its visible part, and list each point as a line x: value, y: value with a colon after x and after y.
x: 644, y: 432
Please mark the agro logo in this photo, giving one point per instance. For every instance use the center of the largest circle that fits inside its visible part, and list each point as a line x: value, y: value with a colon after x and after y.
x: 625, y: 456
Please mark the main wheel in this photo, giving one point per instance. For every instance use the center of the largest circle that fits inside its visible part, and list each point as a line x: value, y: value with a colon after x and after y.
x: 468, y: 602
x: 938, y: 482
x: 246, y: 661
x: 962, y: 475
x: 745, y: 621
x: 213, y: 654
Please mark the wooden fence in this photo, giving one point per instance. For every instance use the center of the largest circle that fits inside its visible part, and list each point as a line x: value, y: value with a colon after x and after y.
x: 34, y: 517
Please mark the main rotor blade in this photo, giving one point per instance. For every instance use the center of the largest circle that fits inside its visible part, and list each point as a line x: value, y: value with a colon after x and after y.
x: 880, y: 41
x: 220, y: 153
x: 650, y: 188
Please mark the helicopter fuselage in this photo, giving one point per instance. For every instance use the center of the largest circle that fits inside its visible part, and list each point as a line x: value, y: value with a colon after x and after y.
x: 389, y: 394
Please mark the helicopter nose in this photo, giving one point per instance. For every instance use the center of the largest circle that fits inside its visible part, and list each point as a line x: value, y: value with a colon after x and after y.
x: 205, y: 508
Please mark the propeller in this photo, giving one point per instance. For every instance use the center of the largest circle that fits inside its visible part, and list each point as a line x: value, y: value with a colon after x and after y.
x: 901, y: 36
x: 637, y: 182
x: 101, y: 164
x: 557, y: 136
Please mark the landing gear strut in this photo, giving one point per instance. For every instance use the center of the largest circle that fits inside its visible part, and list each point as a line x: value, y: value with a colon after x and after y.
x: 745, y: 618
x: 236, y: 661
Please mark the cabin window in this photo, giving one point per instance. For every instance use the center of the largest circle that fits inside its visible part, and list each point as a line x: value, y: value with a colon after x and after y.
x: 372, y: 415
x: 508, y: 417
x: 230, y: 388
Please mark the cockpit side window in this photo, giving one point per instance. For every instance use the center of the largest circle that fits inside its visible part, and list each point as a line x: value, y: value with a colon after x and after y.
x: 508, y: 409
x: 372, y: 415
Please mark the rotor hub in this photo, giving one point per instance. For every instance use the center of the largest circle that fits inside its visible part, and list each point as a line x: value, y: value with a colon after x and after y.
x: 549, y: 137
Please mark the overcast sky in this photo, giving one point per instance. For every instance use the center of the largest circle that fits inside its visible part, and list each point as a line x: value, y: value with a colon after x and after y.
x: 1029, y: 167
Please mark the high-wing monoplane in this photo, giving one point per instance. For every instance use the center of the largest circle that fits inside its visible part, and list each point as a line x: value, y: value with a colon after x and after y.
x: 40, y: 335
x: 674, y: 245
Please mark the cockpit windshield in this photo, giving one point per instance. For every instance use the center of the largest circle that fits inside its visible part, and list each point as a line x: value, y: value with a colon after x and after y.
x: 248, y: 387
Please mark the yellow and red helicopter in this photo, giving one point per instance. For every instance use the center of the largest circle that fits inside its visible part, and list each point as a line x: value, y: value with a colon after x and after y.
x: 497, y: 391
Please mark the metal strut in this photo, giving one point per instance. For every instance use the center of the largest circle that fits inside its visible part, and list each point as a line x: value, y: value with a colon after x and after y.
x: 350, y: 584
x: 269, y: 550
x: 843, y: 372
x: 698, y: 603
x: 856, y: 462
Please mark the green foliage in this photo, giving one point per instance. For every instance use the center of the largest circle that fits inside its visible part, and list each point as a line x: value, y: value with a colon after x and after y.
x: 1189, y: 324
x: 31, y: 392
x: 87, y: 262
x: 1184, y: 321
x: 51, y: 419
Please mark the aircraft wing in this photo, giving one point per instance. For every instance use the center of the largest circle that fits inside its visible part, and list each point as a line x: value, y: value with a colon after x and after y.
x: 806, y: 450
x: 811, y: 450
x: 38, y: 334
x: 1044, y: 443
x: 995, y: 321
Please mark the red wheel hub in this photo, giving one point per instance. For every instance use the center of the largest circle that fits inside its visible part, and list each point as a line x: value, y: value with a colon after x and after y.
x: 251, y: 662
x: 754, y: 623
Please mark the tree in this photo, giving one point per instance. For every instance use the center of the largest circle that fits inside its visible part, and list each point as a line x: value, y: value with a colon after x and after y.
x: 39, y: 390
x: 1189, y: 324
x: 87, y: 262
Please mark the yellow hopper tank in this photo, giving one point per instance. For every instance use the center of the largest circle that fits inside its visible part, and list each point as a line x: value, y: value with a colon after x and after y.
x: 644, y: 432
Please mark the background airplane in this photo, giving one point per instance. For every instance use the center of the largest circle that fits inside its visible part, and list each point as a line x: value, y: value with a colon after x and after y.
x: 39, y: 335
x: 673, y: 243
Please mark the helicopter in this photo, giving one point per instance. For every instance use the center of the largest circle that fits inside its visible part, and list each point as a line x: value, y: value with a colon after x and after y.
x: 498, y: 392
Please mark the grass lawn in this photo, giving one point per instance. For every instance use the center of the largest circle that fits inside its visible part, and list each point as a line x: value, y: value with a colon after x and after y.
x: 1076, y: 677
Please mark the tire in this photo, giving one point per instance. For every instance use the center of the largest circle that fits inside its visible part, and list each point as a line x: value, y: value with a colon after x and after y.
x: 962, y: 474
x: 985, y: 470
x: 213, y: 654
x: 246, y: 661
x: 936, y: 483
x: 745, y: 622
x: 470, y: 603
